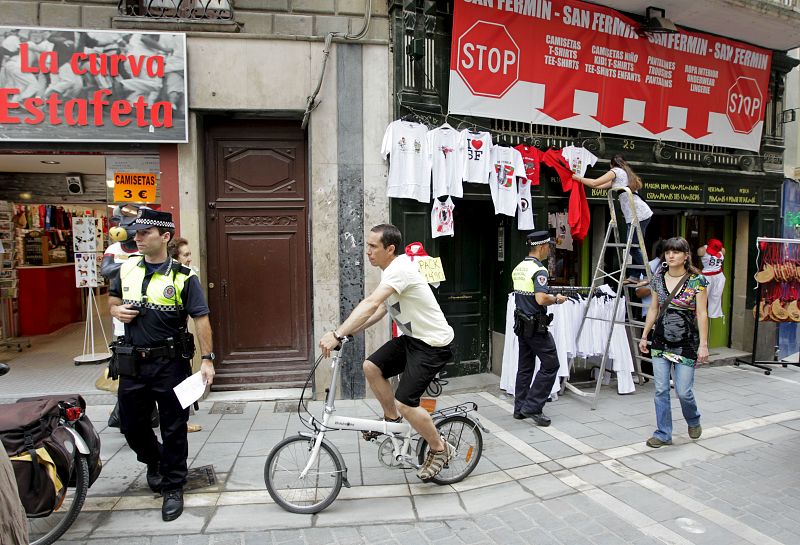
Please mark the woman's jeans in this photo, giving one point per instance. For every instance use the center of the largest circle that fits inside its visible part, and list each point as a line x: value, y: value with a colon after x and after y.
x: 684, y: 383
x: 636, y: 252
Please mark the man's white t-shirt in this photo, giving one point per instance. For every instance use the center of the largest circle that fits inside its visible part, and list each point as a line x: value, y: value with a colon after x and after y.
x: 413, y: 306
x: 446, y: 160
x: 507, y: 166
x: 409, y: 171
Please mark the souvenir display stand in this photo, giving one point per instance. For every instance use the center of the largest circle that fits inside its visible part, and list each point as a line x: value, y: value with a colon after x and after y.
x: 777, y: 291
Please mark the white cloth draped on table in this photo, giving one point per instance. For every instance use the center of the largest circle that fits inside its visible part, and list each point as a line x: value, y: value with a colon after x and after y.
x: 565, y: 324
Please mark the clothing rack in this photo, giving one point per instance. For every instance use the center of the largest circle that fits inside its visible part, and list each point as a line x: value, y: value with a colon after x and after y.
x: 762, y: 364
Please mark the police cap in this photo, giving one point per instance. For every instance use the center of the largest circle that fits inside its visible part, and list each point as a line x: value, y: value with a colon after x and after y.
x: 538, y: 237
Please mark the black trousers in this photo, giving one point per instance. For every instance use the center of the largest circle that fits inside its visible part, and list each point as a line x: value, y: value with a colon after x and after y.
x: 530, y: 399
x: 137, y: 398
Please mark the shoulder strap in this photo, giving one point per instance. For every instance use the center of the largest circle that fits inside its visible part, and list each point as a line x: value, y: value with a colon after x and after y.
x: 672, y: 294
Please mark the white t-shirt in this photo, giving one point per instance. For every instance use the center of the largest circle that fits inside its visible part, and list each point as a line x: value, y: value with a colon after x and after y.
x: 524, y: 208
x: 413, y: 306
x: 477, y: 148
x: 446, y: 160
x: 579, y: 159
x: 442, y: 218
x: 711, y: 263
x: 507, y: 166
x: 409, y: 172
x: 643, y: 211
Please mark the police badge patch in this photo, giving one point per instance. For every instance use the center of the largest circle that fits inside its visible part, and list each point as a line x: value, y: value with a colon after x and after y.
x: 169, y: 292
x: 541, y: 280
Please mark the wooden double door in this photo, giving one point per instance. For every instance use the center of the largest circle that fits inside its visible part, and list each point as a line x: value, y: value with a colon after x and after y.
x: 258, y: 252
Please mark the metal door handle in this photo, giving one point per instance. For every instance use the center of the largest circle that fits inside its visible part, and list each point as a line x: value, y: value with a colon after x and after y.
x: 224, y: 288
x: 459, y: 297
x: 211, y: 285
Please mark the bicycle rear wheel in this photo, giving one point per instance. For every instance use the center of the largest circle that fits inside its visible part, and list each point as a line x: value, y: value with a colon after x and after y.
x: 316, y: 490
x: 47, y: 530
x: 465, y: 435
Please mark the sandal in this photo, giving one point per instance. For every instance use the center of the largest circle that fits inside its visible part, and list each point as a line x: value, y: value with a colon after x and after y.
x: 190, y: 428
x: 373, y: 435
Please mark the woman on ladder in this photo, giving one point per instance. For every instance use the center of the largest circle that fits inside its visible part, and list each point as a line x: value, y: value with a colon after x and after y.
x: 622, y: 175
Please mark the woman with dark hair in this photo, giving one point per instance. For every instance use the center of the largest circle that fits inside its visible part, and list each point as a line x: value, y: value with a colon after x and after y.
x: 680, y: 337
x: 622, y: 175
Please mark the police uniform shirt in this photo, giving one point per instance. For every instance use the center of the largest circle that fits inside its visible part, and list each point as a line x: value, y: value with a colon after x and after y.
x: 156, y: 325
x: 526, y: 300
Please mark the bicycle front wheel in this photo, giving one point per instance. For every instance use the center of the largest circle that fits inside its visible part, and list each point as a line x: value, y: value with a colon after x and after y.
x: 309, y: 494
x: 47, y: 530
x: 466, y: 437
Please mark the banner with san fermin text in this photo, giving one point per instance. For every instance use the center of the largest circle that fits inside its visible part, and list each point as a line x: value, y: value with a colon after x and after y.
x: 574, y: 64
x: 92, y: 85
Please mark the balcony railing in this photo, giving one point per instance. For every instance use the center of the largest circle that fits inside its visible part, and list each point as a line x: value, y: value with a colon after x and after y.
x: 203, y: 10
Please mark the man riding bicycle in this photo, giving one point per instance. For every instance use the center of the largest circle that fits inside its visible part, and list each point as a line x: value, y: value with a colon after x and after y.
x: 419, y: 354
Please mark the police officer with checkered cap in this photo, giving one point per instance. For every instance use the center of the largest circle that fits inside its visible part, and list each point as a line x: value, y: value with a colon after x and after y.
x: 532, y: 297
x: 153, y: 295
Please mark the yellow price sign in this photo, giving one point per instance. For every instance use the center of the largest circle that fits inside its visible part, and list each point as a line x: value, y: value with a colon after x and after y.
x: 431, y: 269
x: 134, y: 187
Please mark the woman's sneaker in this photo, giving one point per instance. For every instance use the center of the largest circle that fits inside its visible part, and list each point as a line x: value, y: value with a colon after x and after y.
x: 435, y: 461
x: 372, y: 435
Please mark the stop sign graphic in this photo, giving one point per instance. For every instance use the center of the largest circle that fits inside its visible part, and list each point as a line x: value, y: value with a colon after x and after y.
x: 745, y: 104
x: 488, y: 59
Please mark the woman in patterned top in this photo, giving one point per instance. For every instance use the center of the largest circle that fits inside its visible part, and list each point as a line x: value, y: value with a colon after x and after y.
x: 680, y: 337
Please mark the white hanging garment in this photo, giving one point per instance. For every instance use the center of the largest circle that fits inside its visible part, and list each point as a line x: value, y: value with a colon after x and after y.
x: 409, y: 171
x: 507, y: 166
x: 524, y: 205
x: 446, y: 159
x: 477, y: 148
x: 579, y: 159
x: 442, y: 218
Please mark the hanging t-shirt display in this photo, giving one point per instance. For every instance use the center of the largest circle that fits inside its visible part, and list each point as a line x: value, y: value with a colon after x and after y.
x: 560, y: 223
x: 409, y: 170
x: 446, y: 161
x: 477, y: 148
x: 579, y: 159
x: 524, y: 206
x: 531, y: 158
x: 507, y: 166
x: 442, y: 218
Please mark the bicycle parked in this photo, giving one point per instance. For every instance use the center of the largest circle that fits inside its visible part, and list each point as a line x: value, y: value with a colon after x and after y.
x: 305, y: 473
x: 73, y: 449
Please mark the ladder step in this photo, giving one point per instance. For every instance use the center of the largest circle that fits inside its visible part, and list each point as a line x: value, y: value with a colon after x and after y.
x: 632, y: 266
x: 620, y: 245
x: 637, y: 323
x: 640, y: 305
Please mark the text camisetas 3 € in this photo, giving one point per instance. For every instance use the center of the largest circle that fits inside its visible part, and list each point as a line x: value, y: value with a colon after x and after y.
x: 82, y: 112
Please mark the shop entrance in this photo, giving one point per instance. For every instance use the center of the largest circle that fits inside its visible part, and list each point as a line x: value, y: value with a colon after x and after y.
x: 467, y: 259
x: 257, y: 218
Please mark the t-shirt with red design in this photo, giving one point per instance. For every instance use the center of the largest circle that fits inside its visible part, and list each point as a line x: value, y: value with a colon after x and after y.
x: 446, y: 161
x: 477, y: 148
x: 442, y: 218
x: 409, y: 171
x: 531, y: 158
x: 507, y: 166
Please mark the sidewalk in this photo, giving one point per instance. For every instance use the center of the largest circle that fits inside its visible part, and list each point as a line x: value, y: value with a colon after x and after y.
x: 588, y: 478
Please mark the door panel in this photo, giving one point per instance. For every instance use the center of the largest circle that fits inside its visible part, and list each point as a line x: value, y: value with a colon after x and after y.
x: 258, y: 253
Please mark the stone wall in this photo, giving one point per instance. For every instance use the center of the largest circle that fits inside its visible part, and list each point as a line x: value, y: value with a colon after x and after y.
x: 296, y: 18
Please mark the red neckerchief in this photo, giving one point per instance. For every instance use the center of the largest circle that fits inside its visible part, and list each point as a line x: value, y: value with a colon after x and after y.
x: 415, y: 249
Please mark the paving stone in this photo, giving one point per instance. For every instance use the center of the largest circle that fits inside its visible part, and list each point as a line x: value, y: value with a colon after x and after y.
x: 255, y: 517
x: 546, y: 486
x: 729, y: 444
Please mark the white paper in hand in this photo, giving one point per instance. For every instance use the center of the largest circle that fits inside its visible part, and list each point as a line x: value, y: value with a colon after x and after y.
x: 190, y: 390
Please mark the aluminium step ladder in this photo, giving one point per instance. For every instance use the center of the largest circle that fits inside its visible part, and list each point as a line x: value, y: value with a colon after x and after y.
x: 623, y: 249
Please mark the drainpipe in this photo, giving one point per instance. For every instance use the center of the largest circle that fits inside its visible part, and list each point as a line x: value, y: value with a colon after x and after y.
x: 311, y: 103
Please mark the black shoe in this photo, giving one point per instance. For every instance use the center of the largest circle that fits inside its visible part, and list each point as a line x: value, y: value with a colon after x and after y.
x: 519, y: 416
x: 153, y: 478
x: 173, y: 504
x: 539, y: 418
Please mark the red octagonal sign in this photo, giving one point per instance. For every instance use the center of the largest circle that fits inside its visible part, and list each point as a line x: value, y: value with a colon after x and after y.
x: 745, y: 105
x: 488, y: 59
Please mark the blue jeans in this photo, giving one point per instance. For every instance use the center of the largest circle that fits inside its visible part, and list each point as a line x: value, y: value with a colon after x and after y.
x: 636, y: 252
x: 684, y: 382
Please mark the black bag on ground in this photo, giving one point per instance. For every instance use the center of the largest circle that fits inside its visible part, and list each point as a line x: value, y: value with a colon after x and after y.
x: 85, y: 429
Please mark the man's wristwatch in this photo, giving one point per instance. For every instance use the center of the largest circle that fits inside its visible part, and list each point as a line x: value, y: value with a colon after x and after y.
x: 210, y: 356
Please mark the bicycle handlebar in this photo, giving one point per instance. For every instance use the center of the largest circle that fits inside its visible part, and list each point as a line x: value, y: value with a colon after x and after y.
x: 346, y: 339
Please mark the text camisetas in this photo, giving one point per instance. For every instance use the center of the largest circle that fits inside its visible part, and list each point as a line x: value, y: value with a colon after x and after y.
x: 94, y: 109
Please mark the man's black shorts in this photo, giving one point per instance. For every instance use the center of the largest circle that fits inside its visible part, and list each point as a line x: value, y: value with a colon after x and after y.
x: 418, y: 361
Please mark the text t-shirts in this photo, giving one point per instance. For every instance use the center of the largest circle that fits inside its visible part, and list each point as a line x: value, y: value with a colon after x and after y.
x: 446, y: 161
x: 507, y: 166
x: 409, y: 171
x: 579, y: 159
x: 413, y: 306
x: 477, y: 148
x: 643, y: 211
x: 442, y: 218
